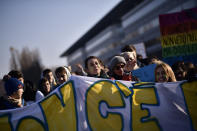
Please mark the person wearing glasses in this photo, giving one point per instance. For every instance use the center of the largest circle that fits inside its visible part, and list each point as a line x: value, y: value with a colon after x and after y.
x: 131, y: 61
x: 131, y: 48
x: 117, y: 72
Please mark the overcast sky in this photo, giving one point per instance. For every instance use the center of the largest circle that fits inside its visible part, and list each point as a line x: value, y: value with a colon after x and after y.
x: 51, y: 26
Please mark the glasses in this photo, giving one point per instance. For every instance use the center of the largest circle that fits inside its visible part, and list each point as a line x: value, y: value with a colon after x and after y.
x: 118, y: 67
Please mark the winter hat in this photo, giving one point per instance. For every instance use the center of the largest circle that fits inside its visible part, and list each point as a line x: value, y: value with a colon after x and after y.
x: 116, y: 60
x: 12, y: 85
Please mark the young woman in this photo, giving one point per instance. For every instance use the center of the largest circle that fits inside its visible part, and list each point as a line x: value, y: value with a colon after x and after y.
x: 164, y: 73
x: 44, y: 86
x: 95, y: 67
x: 47, y: 73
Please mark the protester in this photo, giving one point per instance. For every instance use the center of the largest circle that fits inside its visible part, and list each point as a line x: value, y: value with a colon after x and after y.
x: 17, y: 74
x: 31, y: 94
x: 131, y: 62
x: 62, y: 75
x: 95, y: 67
x: 47, y: 73
x: 117, y: 65
x: 44, y: 86
x: 14, y: 91
x: 164, y: 73
x: 180, y: 70
x: 132, y: 49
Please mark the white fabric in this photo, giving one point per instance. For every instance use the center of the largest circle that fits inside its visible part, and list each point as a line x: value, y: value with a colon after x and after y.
x: 39, y: 95
x: 102, y: 104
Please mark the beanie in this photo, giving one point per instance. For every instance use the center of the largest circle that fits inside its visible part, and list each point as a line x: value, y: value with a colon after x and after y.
x: 12, y: 85
x: 116, y: 60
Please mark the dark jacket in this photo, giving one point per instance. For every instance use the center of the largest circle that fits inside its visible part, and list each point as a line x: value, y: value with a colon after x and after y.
x: 102, y: 75
x: 126, y: 76
x: 8, y: 104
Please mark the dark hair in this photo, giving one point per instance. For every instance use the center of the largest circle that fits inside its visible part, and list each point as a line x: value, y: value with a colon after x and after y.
x: 59, y: 70
x: 179, y: 64
x: 15, y: 74
x: 6, y: 77
x: 92, y: 57
x: 29, y: 91
x: 128, y: 48
x: 43, y: 80
x: 46, y: 71
x: 191, y: 74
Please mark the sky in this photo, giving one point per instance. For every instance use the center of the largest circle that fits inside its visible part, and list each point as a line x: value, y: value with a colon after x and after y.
x: 50, y: 26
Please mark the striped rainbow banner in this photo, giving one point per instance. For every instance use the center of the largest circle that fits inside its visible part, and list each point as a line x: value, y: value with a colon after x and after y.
x: 179, y: 33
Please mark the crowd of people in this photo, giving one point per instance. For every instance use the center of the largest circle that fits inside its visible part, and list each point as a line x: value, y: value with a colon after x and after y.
x: 17, y: 92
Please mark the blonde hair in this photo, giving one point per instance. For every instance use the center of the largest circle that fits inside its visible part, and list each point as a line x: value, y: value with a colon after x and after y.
x: 168, y: 70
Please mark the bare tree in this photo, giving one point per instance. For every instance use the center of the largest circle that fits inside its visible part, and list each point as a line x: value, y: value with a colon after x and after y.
x: 14, y: 58
x: 29, y: 63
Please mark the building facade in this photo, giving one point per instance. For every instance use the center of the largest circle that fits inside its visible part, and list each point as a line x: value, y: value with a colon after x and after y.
x: 130, y: 22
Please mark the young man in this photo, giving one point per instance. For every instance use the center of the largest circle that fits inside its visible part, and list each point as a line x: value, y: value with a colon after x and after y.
x: 132, y: 49
x: 16, y: 74
x: 117, y: 72
x: 131, y: 61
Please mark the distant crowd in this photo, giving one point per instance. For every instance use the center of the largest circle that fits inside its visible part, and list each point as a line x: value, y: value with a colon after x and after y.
x: 17, y: 92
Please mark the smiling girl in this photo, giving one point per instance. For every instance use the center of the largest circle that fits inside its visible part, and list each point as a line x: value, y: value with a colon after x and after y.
x: 164, y: 73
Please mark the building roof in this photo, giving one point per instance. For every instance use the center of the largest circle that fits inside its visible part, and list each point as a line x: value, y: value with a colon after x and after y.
x: 114, y: 16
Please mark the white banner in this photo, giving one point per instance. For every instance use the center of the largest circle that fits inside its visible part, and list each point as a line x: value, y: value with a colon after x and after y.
x: 86, y: 103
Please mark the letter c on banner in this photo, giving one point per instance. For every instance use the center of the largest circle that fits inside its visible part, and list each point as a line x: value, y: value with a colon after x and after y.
x: 107, y: 92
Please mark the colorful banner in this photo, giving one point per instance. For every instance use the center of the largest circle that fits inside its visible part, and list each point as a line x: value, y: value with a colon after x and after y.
x: 179, y: 39
x: 86, y: 103
x: 179, y: 33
